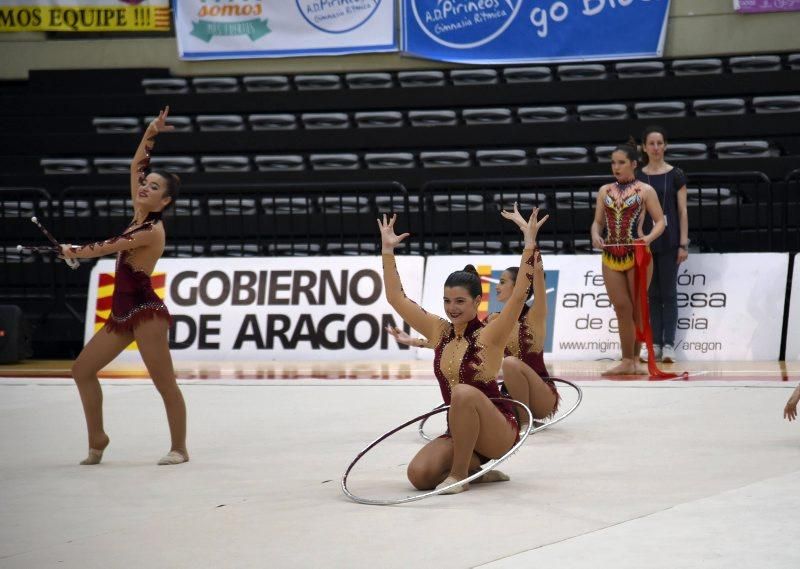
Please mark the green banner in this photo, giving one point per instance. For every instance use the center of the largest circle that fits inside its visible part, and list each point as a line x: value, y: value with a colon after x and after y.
x: 254, y: 29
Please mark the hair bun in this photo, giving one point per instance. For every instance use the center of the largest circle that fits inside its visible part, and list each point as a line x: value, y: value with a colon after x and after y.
x: 471, y: 269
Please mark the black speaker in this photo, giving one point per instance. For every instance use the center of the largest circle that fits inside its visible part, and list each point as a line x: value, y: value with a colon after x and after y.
x: 15, y: 335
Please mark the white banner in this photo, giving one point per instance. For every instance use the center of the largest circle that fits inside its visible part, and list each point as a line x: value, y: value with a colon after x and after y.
x: 727, y: 308
x: 270, y: 308
x: 237, y: 29
x: 793, y: 329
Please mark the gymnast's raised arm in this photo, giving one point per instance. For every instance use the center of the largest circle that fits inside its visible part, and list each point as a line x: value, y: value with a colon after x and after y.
x: 497, y: 331
x: 141, y: 160
x: 424, y: 323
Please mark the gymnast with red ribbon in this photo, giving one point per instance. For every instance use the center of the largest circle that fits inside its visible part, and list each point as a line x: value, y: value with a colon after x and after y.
x: 626, y: 256
x: 137, y: 313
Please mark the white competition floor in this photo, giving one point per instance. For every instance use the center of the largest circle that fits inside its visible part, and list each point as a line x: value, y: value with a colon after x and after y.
x: 699, y: 473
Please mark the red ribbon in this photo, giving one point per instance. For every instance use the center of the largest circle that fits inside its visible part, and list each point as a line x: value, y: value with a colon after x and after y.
x: 645, y: 333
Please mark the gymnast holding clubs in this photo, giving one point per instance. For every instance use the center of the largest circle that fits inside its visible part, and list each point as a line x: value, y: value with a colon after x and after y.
x: 137, y: 313
x: 482, y: 424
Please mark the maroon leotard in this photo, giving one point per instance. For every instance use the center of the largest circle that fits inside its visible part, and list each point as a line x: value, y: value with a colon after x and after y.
x: 134, y: 299
x: 522, y: 344
x: 458, y: 359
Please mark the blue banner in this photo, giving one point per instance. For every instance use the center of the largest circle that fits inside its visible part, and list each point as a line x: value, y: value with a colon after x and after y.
x: 522, y: 31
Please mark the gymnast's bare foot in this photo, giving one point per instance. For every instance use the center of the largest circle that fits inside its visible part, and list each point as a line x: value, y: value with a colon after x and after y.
x: 625, y: 367
x: 96, y: 449
x: 493, y: 476
x: 452, y: 480
x: 174, y: 457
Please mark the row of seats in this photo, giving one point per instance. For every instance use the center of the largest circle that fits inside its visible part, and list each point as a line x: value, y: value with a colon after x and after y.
x: 395, y: 160
x: 474, y: 76
x: 440, y: 202
x: 448, y: 117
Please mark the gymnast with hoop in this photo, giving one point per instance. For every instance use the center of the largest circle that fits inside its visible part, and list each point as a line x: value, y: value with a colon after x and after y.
x: 525, y: 375
x: 619, y: 209
x: 137, y: 313
x: 468, y: 357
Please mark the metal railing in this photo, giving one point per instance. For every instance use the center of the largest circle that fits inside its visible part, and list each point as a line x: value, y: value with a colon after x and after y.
x: 728, y: 211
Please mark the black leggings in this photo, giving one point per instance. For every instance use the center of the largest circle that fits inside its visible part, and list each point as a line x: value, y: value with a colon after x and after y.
x: 663, y: 296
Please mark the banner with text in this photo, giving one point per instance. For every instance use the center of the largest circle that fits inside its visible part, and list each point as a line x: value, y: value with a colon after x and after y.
x: 520, y: 31
x: 726, y: 309
x: 84, y: 15
x: 759, y: 6
x: 270, y: 308
x: 237, y: 29
x: 793, y: 330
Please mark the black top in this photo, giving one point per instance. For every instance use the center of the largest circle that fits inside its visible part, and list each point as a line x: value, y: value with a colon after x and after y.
x: 666, y: 186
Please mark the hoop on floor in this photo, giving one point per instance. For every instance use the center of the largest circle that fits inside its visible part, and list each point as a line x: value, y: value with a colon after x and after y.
x: 542, y: 425
x: 491, y: 465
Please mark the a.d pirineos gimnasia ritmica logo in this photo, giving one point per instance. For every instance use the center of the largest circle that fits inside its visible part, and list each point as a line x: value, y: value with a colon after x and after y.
x: 464, y: 24
x: 337, y: 16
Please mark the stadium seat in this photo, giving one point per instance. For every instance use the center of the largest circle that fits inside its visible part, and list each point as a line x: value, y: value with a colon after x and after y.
x: 220, y: 122
x: 65, y: 165
x: 487, y: 116
x: 504, y: 157
x: 341, y: 161
x: 113, y: 125
x: 277, y: 121
x: 604, y: 112
x: 639, y: 69
x: 708, y: 66
x: 562, y: 155
x: 660, y: 109
x: 225, y: 163
x: 369, y: 80
x: 527, y: 74
x: 445, y: 159
x: 278, y: 162
x: 317, y: 82
x: 542, y: 114
x: 577, y: 72
x: 215, y: 84
x: 325, y: 120
x: 751, y: 63
x: 421, y: 78
x: 379, y: 160
x: 473, y: 76
x: 432, y: 118
x: 379, y: 119
x: 266, y: 83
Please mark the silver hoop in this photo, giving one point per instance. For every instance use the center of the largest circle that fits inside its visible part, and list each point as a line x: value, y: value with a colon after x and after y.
x: 548, y: 422
x: 491, y: 465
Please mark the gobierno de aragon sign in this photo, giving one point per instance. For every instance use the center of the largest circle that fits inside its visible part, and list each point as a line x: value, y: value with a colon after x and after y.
x: 268, y: 308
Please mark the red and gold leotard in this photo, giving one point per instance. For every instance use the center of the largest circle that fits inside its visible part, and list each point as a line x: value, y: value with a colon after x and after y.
x: 623, y: 206
x: 460, y: 359
x: 524, y: 344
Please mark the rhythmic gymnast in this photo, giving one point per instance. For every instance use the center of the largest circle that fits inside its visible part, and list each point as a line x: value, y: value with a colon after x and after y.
x: 137, y: 313
x: 525, y: 375
x: 468, y: 357
x: 619, y: 208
